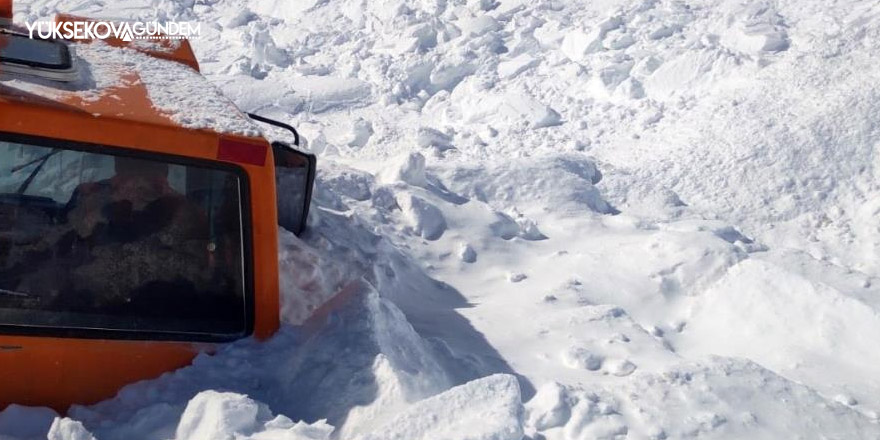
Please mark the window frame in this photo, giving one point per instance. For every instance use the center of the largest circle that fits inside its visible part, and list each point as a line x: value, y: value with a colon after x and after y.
x: 153, y: 335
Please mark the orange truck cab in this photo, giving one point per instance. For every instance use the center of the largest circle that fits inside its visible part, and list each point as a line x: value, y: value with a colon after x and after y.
x: 139, y: 215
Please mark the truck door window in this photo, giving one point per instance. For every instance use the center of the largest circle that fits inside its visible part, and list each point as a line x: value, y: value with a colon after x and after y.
x: 99, y: 241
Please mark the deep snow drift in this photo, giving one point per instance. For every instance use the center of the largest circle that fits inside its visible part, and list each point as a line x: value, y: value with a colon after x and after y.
x: 661, y: 217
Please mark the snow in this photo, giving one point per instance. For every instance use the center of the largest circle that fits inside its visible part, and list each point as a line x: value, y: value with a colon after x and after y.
x: 659, y: 216
x: 485, y: 409
x: 67, y: 429
x: 229, y: 416
x: 175, y: 90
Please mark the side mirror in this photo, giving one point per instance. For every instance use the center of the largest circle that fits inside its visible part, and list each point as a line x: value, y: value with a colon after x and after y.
x: 294, y: 179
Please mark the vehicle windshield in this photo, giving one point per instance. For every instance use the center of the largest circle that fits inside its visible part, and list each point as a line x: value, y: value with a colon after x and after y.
x: 106, y: 242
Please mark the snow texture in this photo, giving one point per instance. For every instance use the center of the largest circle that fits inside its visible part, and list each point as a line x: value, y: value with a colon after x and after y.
x: 661, y: 217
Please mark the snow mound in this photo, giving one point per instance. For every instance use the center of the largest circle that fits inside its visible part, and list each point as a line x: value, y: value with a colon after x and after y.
x: 67, y: 429
x: 484, y: 409
x: 386, y: 367
x: 423, y: 217
x: 806, y: 330
x: 564, y: 183
x: 475, y: 106
x: 720, y: 398
x: 230, y: 416
x: 308, y: 277
x: 409, y: 168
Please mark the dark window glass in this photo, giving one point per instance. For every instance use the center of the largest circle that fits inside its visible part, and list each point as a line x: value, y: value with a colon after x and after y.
x: 21, y: 49
x: 294, y: 175
x: 99, y: 241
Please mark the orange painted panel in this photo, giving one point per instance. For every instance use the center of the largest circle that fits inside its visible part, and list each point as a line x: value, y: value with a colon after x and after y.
x: 58, y: 372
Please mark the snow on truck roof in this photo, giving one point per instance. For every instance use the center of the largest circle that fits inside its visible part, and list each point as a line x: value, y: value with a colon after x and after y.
x: 124, y: 83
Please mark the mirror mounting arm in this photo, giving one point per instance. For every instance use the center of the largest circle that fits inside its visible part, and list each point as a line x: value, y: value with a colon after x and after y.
x: 278, y: 124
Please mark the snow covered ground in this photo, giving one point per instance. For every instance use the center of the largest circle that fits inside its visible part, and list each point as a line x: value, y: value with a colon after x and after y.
x: 646, y: 219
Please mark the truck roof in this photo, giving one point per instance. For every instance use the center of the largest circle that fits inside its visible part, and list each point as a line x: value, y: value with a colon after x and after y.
x: 152, y: 82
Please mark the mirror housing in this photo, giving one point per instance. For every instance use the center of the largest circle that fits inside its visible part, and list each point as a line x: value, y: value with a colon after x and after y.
x: 294, y: 175
x: 294, y: 180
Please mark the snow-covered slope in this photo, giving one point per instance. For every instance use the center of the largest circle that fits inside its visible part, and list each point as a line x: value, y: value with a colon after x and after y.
x: 662, y: 217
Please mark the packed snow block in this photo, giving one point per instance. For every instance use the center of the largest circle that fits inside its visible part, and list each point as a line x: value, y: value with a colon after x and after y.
x: 528, y: 229
x: 578, y: 44
x: 516, y: 65
x: 307, y: 278
x: 220, y: 416
x: 504, y: 226
x: 357, y: 134
x: 213, y: 415
x: 326, y: 93
x: 423, y: 217
x: 691, y: 69
x: 347, y: 182
x: 549, y: 408
x: 68, y: 429
x: 241, y: 18
x: 484, y: 409
x: 618, y: 40
x: 757, y: 40
x: 362, y: 363
x: 509, y: 109
x: 610, y: 74
x: 355, y: 364
x: 538, y: 115
x: 249, y: 92
x: 479, y: 25
x: 756, y: 27
x: 563, y: 183
x: 408, y: 168
x: 265, y: 53
x: 450, y: 72
x: 664, y: 31
x: 430, y: 138
x: 550, y: 35
x: 388, y: 11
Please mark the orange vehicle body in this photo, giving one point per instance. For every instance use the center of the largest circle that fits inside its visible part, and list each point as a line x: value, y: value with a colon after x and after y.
x: 58, y: 372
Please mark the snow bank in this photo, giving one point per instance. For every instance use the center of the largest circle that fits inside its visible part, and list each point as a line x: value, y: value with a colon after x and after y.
x: 561, y: 182
x: 598, y: 198
x: 806, y: 330
x: 228, y: 416
x: 720, y: 398
x: 67, y: 429
x: 485, y: 409
x: 355, y: 368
